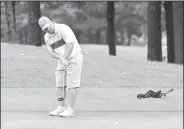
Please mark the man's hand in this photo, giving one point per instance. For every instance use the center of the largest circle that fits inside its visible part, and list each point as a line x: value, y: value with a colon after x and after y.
x: 64, y: 61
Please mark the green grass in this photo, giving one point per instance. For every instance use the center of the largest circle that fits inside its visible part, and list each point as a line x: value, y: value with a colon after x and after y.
x: 128, y: 69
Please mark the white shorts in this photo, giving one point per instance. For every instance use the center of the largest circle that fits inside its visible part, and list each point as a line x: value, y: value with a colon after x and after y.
x: 73, y: 71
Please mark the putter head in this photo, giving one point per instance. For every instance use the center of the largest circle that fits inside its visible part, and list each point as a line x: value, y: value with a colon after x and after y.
x: 60, y: 99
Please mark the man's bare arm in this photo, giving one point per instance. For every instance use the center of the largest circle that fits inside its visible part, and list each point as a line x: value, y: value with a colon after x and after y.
x: 68, y: 51
x: 54, y: 55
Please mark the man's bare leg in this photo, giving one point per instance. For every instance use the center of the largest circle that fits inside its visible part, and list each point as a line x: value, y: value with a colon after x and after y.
x: 71, y: 97
x: 60, y: 93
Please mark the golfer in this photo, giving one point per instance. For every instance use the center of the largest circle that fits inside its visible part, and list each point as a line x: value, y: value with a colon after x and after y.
x: 63, y: 46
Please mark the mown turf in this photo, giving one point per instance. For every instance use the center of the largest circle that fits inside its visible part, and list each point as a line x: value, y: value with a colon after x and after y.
x: 30, y: 66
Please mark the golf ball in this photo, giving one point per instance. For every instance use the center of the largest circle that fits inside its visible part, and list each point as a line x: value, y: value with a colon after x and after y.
x: 117, y: 123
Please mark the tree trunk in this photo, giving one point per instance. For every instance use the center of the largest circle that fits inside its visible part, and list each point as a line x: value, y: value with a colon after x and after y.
x: 8, y: 20
x: 13, y: 12
x: 122, y: 37
x: 125, y: 36
x: 178, y: 31
x: 90, y: 35
x: 14, y: 22
x: 34, y: 37
x: 154, y: 31
x: 110, y: 28
x: 169, y: 30
x: 98, y: 35
x: 129, y: 39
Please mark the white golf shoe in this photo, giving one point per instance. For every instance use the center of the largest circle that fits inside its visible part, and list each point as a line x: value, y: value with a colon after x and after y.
x: 58, y: 110
x: 68, y: 112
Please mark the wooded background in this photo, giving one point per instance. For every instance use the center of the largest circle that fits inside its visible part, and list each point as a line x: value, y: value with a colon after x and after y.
x: 111, y: 23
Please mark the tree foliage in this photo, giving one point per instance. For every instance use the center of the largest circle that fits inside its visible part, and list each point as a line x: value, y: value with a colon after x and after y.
x: 87, y: 19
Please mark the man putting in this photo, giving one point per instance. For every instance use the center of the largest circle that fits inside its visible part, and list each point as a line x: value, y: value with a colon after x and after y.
x: 63, y: 46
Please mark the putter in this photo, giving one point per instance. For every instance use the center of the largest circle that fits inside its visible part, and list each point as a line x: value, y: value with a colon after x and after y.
x: 64, y: 85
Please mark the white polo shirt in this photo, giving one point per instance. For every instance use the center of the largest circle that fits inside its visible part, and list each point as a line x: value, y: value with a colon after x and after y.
x: 63, y: 35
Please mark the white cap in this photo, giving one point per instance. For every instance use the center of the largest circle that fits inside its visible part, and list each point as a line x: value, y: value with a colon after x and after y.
x: 44, y: 22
